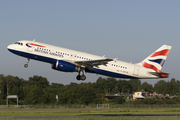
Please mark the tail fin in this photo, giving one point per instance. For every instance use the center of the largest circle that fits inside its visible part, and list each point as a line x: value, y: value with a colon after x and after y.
x: 156, y: 60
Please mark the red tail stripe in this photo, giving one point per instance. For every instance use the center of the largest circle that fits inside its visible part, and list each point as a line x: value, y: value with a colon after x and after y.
x: 146, y: 65
x: 163, y: 53
x: 35, y: 45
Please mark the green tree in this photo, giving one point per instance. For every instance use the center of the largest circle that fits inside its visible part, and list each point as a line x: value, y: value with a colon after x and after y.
x: 124, y: 86
x: 120, y: 100
x: 34, y: 96
x: 111, y: 83
x: 149, y: 101
x: 135, y: 83
x: 3, y: 90
x: 147, y: 87
x: 101, y: 86
x: 39, y: 81
x: 159, y: 87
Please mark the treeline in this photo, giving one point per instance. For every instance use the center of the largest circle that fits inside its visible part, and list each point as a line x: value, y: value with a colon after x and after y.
x: 38, y: 90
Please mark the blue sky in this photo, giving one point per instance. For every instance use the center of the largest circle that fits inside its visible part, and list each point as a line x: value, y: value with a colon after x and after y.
x: 125, y: 29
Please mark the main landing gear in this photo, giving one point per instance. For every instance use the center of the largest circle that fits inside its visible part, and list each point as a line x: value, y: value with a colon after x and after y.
x: 81, y: 77
x: 26, y: 65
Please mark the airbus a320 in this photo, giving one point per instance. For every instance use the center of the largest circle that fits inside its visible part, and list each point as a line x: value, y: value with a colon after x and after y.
x: 68, y: 60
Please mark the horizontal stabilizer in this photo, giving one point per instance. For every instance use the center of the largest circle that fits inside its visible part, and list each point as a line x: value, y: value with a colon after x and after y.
x: 160, y: 75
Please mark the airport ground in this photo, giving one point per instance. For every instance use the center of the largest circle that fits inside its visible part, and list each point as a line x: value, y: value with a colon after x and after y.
x: 90, y: 113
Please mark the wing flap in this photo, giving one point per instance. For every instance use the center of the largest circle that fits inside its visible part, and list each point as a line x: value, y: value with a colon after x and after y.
x: 93, y: 63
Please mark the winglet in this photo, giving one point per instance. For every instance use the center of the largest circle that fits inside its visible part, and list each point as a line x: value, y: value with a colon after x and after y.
x: 115, y: 59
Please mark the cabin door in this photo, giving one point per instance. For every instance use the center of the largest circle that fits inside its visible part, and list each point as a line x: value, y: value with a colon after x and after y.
x: 136, y: 70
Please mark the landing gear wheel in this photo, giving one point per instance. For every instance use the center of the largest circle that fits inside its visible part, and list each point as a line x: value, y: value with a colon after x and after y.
x: 26, y: 65
x: 78, y: 77
x: 83, y: 77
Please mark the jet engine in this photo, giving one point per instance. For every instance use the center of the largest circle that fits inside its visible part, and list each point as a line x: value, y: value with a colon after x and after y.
x: 65, y: 66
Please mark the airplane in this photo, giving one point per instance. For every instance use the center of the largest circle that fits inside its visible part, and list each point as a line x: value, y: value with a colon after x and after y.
x: 68, y: 60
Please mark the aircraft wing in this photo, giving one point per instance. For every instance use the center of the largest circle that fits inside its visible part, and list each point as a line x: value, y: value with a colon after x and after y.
x: 93, y: 63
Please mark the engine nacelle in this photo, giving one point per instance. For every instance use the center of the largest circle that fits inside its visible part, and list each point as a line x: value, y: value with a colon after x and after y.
x: 65, y: 66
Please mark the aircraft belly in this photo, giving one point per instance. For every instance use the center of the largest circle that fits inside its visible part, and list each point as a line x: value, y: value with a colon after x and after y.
x: 111, y: 72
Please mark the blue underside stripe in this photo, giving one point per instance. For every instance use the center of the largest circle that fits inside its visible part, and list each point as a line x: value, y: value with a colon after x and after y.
x: 112, y: 74
x: 53, y: 61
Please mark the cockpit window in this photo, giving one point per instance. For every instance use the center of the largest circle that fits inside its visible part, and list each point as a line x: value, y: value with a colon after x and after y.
x: 19, y: 43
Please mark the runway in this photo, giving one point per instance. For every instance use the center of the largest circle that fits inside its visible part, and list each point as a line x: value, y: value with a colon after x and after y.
x: 95, y: 116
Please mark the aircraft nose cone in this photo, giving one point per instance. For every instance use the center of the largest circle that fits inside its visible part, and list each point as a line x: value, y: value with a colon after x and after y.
x: 9, y: 47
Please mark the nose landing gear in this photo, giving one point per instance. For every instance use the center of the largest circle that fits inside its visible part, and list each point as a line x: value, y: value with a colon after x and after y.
x: 26, y: 65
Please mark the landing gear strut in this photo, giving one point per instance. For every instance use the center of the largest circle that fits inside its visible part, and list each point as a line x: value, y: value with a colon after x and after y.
x: 81, y: 77
x: 26, y: 65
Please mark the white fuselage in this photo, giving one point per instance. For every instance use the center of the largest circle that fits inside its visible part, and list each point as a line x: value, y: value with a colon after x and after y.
x: 50, y: 54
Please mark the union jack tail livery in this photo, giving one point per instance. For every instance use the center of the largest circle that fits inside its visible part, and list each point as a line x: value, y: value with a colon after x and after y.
x: 156, y: 60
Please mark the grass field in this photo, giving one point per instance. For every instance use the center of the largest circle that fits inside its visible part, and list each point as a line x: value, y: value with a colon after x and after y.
x: 12, y: 111
x: 84, y: 111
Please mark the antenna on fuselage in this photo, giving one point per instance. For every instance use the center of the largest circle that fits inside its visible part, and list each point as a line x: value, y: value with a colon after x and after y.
x: 33, y: 40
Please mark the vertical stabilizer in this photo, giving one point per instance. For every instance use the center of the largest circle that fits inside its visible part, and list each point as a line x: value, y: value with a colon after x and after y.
x: 156, y: 60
